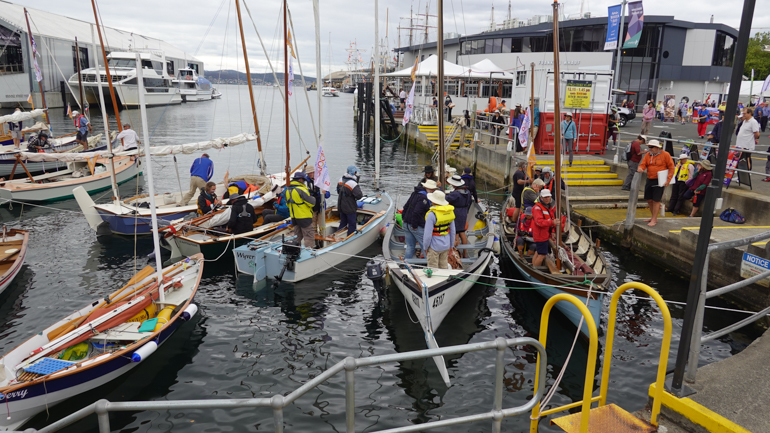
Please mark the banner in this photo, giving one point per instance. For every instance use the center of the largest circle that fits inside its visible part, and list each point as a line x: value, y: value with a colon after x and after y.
x: 765, y: 86
x: 414, y: 69
x: 524, y: 130
x: 578, y: 94
x: 613, y: 26
x: 636, y: 12
x: 322, y: 179
x: 290, y: 84
x: 409, y: 106
x: 38, y: 74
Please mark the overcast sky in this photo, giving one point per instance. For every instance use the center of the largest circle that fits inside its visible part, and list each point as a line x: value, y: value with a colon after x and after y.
x: 205, y: 24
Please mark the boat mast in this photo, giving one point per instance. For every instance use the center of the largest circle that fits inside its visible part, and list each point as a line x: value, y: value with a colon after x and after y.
x: 319, y: 96
x: 34, y: 62
x: 286, y: 85
x: 556, y: 114
x: 440, y: 96
x: 262, y: 164
x: 376, y: 86
x: 80, y: 77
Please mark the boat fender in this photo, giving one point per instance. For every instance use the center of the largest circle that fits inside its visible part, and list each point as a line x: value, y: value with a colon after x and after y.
x: 189, y: 312
x: 496, y: 242
x: 143, y: 352
x: 163, y: 317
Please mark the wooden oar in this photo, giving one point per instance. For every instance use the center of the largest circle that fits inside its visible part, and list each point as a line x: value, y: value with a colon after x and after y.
x: 7, y: 254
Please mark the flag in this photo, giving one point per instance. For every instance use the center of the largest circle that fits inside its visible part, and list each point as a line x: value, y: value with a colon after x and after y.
x: 322, y: 179
x: 524, y: 130
x: 414, y: 69
x: 291, y: 47
x: 29, y: 98
x: 636, y: 12
x: 38, y: 74
x: 290, y: 84
x: 765, y: 85
x: 613, y: 24
x: 85, y: 110
x: 409, y: 106
x: 69, y: 111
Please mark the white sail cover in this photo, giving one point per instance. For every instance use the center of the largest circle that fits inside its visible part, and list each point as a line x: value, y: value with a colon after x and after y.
x: 222, y: 218
x: 20, y: 116
x: 217, y: 143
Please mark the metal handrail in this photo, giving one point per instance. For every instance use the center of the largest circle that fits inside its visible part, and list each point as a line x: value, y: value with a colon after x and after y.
x: 278, y: 402
x: 697, y: 331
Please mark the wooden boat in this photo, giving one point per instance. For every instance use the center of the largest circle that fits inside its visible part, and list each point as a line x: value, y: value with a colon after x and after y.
x: 58, y: 145
x: 13, y: 249
x: 98, y: 343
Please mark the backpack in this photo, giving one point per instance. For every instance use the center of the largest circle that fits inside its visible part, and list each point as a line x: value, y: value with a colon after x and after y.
x: 628, y: 152
x: 732, y: 216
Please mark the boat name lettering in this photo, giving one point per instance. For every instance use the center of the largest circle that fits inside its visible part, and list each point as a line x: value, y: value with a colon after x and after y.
x: 15, y: 394
x: 244, y: 256
x: 438, y: 300
x: 415, y: 300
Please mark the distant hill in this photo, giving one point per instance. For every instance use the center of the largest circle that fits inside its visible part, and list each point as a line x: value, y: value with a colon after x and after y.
x: 230, y: 76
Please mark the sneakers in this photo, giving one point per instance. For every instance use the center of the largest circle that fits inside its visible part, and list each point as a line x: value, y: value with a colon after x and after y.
x: 625, y: 189
x: 767, y: 179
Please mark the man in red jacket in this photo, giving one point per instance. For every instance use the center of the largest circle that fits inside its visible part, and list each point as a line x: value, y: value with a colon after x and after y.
x: 543, y: 214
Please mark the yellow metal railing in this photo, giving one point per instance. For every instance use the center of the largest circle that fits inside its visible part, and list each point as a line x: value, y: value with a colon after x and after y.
x: 588, y: 400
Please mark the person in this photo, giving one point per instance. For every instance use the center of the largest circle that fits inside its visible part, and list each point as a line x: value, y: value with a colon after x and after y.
x: 653, y: 162
x: 634, y: 157
x: 524, y: 235
x: 685, y: 169
x: 703, y: 119
x: 765, y: 115
x: 516, y: 119
x: 612, y: 126
x: 535, y: 120
x: 498, y: 123
x: 531, y: 194
x: 15, y: 129
x: 537, y: 172
x: 430, y: 173
x: 83, y: 126
x: 279, y: 212
x: 200, y: 172
x: 448, y: 105
x: 503, y: 108
x: 624, y: 104
x: 549, y: 179
x: 699, y: 185
x: 461, y: 199
x: 300, y: 204
x: 348, y: 193
x: 413, y: 216
x: 467, y: 117
x: 439, y: 234
x: 242, y: 215
x: 569, y: 132
x: 434, y: 103
x: 402, y: 99
x: 207, y: 200
x: 747, y: 134
x: 631, y: 105
x: 239, y: 187
x: 715, y: 134
x: 38, y: 142
x: 682, y: 111
x: 544, y: 216
x: 470, y: 182
x: 128, y: 138
x: 491, y: 104
x: 661, y: 109
x: 647, y: 115
x: 520, y: 181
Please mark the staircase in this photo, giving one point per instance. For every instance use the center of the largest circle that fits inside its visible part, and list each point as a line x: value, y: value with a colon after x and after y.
x: 586, y: 173
x: 431, y: 134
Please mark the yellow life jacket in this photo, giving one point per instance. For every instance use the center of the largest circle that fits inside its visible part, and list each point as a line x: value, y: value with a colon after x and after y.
x: 298, y: 208
x: 444, y: 217
x: 521, y: 199
x: 682, y: 171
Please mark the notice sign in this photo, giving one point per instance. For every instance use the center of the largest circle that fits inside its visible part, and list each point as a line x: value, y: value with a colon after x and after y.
x: 752, y: 265
x: 578, y: 94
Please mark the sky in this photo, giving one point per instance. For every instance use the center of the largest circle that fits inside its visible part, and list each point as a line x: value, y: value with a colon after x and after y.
x: 208, y: 28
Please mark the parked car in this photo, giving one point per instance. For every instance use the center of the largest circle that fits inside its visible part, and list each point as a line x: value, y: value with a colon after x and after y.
x: 624, y: 114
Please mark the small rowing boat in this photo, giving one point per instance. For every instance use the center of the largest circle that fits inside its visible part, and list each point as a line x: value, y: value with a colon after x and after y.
x: 13, y: 249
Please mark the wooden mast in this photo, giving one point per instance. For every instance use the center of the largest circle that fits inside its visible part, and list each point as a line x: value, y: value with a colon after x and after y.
x: 286, y: 85
x: 440, y: 98
x: 556, y: 120
x: 109, y: 77
x: 80, y: 76
x: 262, y: 164
x: 34, y: 60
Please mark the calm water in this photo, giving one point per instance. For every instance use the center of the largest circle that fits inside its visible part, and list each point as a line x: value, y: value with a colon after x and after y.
x: 257, y: 343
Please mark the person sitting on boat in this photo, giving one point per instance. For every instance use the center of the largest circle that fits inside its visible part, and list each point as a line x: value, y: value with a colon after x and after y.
x: 461, y: 199
x: 439, y: 234
x: 348, y: 194
x: 207, y: 199
x: 242, y: 215
x: 128, y: 139
x: 239, y: 187
x: 38, y: 142
x: 531, y: 194
x: 413, y: 216
x: 300, y: 203
x: 524, y: 235
x: 200, y: 172
x: 430, y: 173
x: 279, y: 212
x: 549, y: 179
x: 470, y: 182
x: 84, y: 128
x: 544, y: 216
x: 15, y: 130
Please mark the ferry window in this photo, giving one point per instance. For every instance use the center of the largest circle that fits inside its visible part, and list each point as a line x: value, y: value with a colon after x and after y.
x: 507, y: 90
x: 724, y: 50
x: 506, y: 45
x: 489, y: 46
x: 170, y: 67
x: 521, y: 78
x: 194, y: 67
x: 154, y: 82
x: 157, y: 66
x: 122, y: 63
x: 497, y: 45
x: 83, y: 59
x: 524, y: 44
x: 146, y: 64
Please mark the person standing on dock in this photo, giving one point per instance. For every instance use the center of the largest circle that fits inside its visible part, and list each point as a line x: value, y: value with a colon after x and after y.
x: 200, y: 172
x: 439, y: 234
x: 402, y: 99
x: 703, y: 119
x: 653, y: 162
x: 747, y: 134
x: 633, y: 158
x: 413, y: 217
x: 612, y: 127
x: 348, y: 193
x: 15, y: 129
x: 448, y: 105
x: 498, y: 123
x: 685, y: 169
x: 569, y: 133
x: 300, y: 204
x: 84, y: 128
x: 647, y: 115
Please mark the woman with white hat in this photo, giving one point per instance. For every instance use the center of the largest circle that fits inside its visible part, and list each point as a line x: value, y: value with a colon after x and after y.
x: 439, y: 234
x: 654, y: 161
x: 685, y: 170
x: 569, y: 133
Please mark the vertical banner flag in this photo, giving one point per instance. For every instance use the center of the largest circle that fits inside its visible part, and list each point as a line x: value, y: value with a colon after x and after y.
x: 636, y: 12
x: 765, y: 85
x: 414, y: 69
x: 322, y: 179
x: 613, y: 26
x: 409, y: 106
x: 290, y: 84
x: 524, y: 130
x: 69, y: 111
x: 38, y: 74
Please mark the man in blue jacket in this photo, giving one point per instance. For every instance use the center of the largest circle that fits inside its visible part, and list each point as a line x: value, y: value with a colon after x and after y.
x: 201, y: 171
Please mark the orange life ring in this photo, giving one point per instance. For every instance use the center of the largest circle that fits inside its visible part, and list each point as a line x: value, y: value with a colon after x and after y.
x: 189, y: 77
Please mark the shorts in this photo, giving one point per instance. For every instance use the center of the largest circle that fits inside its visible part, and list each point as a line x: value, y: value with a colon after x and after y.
x: 82, y: 136
x: 652, y: 191
x: 16, y: 134
x: 517, y: 198
x: 542, y: 248
x: 403, y: 100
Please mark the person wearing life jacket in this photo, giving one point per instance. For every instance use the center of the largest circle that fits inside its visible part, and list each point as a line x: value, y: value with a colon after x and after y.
x: 240, y: 187
x: 531, y: 194
x: 684, y: 171
x: 300, y: 203
x: 524, y: 233
x: 242, y: 215
x: 544, y: 217
x: 413, y: 217
x: 280, y: 210
x: 207, y: 199
x: 439, y: 234
x: 348, y: 193
x: 549, y: 180
x: 84, y: 128
x: 461, y: 199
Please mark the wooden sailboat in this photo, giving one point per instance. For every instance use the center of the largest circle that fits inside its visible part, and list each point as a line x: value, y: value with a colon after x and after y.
x: 13, y: 249
x: 577, y: 266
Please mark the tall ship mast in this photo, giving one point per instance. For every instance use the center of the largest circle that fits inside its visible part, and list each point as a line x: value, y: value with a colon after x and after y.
x: 355, y: 69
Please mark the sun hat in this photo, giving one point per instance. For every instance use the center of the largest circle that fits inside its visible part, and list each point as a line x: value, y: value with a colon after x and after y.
x: 456, y: 181
x: 430, y: 184
x: 75, y: 112
x: 352, y: 170
x: 538, y: 182
x: 528, y: 211
x: 567, y: 114
x: 429, y: 169
x: 614, y: 108
x: 654, y: 143
x: 537, y: 169
x: 449, y: 169
x: 684, y: 156
x: 705, y: 164
x: 438, y: 198
x: 546, y: 170
x: 234, y: 197
x: 545, y: 193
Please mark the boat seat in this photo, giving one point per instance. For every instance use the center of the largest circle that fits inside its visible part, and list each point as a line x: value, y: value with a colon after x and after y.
x: 599, y: 267
x: 573, y: 236
x: 591, y: 257
x: 583, y: 246
x: 424, y: 262
x: 471, y: 246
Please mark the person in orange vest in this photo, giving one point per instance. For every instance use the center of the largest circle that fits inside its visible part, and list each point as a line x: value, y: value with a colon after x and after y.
x: 84, y: 128
x: 208, y: 200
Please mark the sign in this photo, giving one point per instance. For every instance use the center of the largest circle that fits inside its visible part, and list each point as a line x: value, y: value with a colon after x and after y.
x: 752, y: 265
x: 409, y: 106
x: 636, y: 12
x: 732, y: 164
x: 613, y: 26
x: 321, y: 174
x: 578, y: 94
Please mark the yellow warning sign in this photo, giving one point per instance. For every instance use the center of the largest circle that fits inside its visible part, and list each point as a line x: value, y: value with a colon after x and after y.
x: 578, y: 94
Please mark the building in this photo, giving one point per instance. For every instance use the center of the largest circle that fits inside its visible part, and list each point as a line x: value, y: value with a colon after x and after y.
x: 55, y: 40
x: 674, y: 57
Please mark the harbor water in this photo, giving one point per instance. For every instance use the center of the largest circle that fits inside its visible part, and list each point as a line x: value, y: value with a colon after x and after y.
x: 257, y: 342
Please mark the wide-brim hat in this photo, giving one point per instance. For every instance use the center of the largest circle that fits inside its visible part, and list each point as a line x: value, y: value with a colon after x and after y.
x: 705, y: 164
x: 456, y: 181
x: 684, y: 156
x: 546, y: 170
x: 654, y: 143
x: 234, y: 197
x: 429, y: 184
x: 429, y: 169
x: 567, y: 114
x: 438, y: 198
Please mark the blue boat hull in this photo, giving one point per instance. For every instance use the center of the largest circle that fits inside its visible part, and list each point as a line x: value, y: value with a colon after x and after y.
x: 130, y: 225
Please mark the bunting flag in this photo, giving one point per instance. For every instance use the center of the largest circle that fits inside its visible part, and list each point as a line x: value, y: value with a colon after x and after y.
x: 414, y: 69
x: 69, y: 111
x: 409, y: 106
x: 322, y: 179
x: 636, y: 12
x: 524, y: 130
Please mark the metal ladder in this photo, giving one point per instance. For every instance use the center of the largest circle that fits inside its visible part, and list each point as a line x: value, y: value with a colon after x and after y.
x: 449, y: 138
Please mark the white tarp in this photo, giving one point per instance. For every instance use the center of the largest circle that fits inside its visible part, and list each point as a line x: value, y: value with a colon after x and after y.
x: 217, y: 143
x: 429, y: 68
x: 20, y: 116
x: 487, y: 67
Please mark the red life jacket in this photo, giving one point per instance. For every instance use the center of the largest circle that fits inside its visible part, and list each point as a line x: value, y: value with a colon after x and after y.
x: 77, y: 120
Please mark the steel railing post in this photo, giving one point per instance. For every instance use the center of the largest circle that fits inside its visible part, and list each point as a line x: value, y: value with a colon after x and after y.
x: 103, y: 415
x: 277, y: 404
x: 350, y: 395
x: 697, y: 330
x: 501, y: 345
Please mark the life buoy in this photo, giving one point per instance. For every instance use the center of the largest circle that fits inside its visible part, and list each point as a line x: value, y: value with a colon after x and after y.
x: 189, y: 77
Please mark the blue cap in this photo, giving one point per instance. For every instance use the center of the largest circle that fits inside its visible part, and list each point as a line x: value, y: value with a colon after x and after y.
x: 352, y: 170
x: 299, y: 175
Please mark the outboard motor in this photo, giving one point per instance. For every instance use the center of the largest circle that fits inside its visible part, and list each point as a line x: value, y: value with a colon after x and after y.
x: 290, y: 251
x: 375, y: 273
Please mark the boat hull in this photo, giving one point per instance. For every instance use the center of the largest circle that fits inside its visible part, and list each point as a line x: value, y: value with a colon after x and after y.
x: 7, y: 278
x: 130, y: 225
x: 128, y: 95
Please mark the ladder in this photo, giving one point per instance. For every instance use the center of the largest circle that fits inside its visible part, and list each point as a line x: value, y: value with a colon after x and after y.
x: 449, y: 138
